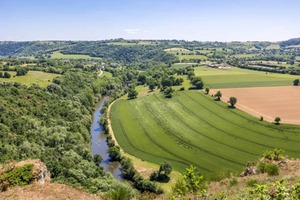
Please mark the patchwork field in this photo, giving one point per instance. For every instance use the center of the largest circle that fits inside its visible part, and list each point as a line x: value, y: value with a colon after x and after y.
x: 268, y: 102
x: 32, y: 77
x: 192, y: 128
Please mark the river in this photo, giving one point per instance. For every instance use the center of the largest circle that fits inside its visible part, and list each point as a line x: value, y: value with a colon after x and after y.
x: 99, y: 145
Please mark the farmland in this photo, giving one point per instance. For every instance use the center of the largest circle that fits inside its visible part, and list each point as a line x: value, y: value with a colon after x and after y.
x: 58, y: 55
x: 269, y: 102
x: 202, y: 132
x: 32, y: 77
x: 235, y: 77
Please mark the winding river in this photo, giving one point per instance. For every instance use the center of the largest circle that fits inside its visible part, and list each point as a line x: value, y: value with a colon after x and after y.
x: 99, y: 145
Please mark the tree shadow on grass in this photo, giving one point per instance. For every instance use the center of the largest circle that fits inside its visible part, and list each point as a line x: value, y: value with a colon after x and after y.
x: 231, y: 107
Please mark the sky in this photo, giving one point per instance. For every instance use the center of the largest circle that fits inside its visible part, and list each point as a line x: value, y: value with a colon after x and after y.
x: 202, y: 20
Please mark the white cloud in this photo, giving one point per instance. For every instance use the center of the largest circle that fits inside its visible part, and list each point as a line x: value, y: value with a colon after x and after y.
x: 132, y: 30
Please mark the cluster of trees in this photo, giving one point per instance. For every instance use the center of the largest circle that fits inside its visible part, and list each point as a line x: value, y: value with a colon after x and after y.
x: 4, y: 75
x: 52, y: 124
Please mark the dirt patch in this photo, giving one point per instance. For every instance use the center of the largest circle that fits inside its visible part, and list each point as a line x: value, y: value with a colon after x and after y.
x: 268, y: 102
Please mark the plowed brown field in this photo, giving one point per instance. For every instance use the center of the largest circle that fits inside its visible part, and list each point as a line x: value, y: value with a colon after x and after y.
x: 268, y: 102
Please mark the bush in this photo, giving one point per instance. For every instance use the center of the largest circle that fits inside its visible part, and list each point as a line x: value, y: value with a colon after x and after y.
x: 261, y: 167
x: 251, y: 182
x: 20, y: 176
x: 272, y: 169
x: 233, y: 182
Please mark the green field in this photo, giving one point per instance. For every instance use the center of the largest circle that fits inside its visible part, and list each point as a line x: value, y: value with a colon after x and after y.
x: 192, y: 128
x: 243, y: 55
x: 235, y: 77
x: 41, y: 78
x: 58, y: 55
x: 273, y: 46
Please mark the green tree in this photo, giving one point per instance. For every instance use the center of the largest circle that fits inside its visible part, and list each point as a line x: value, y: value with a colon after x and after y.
x: 151, y: 85
x: 168, y: 92
x: 207, y: 90
x: 21, y: 71
x: 277, y: 120
x: 197, y: 82
x: 132, y: 94
x: 6, y: 75
x: 165, y: 168
x: 232, y: 101
x: 1, y: 74
x: 218, y: 95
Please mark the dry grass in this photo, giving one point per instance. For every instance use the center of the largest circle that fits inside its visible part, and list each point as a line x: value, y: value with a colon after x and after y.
x: 46, y: 192
x: 289, y: 172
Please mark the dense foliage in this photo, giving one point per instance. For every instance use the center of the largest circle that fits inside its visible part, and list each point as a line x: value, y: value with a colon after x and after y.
x: 52, y: 124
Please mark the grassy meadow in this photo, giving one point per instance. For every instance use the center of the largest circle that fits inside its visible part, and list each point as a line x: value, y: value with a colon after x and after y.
x: 237, y: 78
x: 32, y: 77
x: 58, y: 55
x: 192, y: 128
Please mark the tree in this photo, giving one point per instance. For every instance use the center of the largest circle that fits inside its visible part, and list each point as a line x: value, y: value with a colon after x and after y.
x: 165, y: 168
x: 197, y: 82
x: 151, y: 85
x: 1, y: 74
x: 21, y: 71
x: 132, y: 94
x: 277, y: 120
x: 207, y: 90
x: 218, y: 95
x: 232, y: 101
x: 296, y: 82
x: 6, y: 75
x: 168, y: 92
x: 97, y: 159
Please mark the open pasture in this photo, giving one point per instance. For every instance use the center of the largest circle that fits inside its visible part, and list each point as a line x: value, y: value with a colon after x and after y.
x: 268, y: 102
x: 192, y: 128
x: 32, y: 77
x: 238, y: 78
x: 58, y: 55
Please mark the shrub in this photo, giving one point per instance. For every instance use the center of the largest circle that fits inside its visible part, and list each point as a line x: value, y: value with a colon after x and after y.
x: 272, y: 169
x: 233, y: 182
x: 20, y: 176
x: 261, y: 167
x: 251, y: 182
x: 276, y: 154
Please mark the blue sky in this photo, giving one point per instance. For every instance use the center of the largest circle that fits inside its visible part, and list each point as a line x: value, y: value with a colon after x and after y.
x: 209, y: 20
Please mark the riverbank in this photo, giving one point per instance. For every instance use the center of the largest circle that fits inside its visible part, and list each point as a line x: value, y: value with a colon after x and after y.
x: 144, y: 168
x: 99, y: 145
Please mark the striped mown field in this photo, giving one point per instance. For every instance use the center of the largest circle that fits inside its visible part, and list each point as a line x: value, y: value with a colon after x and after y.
x: 192, y: 128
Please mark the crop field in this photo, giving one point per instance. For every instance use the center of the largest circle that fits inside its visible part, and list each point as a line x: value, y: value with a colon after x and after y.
x: 244, y: 55
x: 41, y: 78
x: 58, y: 55
x: 268, y: 102
x: 273, y: 46
x: 238, y: 78
x: 192, y: 128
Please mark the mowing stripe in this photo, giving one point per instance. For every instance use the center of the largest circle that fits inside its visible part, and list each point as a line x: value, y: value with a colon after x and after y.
x: 231, y: 122
x: 194, y: 146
